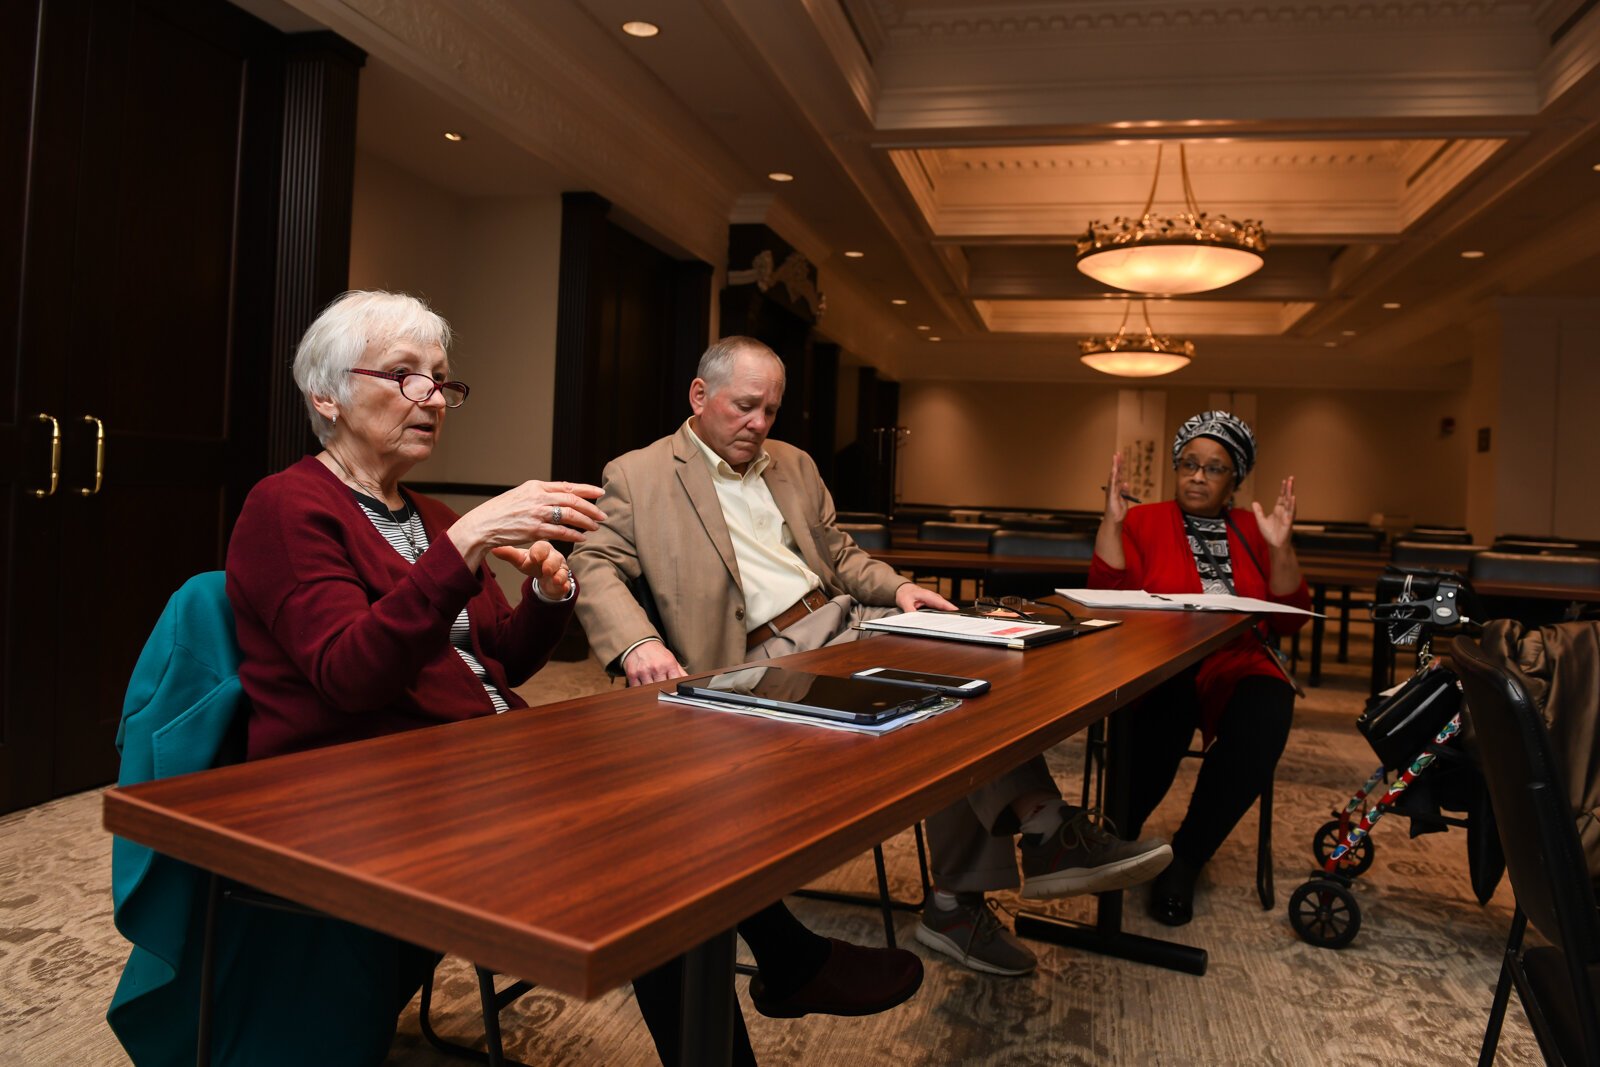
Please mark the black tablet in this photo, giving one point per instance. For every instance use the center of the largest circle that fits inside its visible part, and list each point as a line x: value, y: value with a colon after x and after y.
x: 824, y: 696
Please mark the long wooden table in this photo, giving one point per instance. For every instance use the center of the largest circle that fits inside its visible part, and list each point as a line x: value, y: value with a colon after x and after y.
x: 1322, y: 572
x: 579, y: 844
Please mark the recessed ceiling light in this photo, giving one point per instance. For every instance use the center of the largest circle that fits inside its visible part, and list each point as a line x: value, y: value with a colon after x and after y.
x: 1391, y: 306
x: 1596, y: 166
x: 1472, y: 253
x: 897, y: 302
x: 853, y: 254
x: 924, y: 327
x: 781, y: 176
x: 1347, y: 333
x: 936, y: 338
x: 451, y: 135
x: 1330, y: 344
x: 640, y: 29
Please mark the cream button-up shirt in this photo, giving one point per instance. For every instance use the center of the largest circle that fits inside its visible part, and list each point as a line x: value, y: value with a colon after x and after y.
x: 771, y: 570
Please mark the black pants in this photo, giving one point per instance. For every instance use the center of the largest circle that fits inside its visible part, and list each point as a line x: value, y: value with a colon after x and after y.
x: 1237, y: 768
x: 786, y: 953
x: 660, y: 994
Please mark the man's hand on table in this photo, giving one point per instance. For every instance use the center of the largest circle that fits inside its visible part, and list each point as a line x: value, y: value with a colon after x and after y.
x: 651, y: 661
x: 910, y: 597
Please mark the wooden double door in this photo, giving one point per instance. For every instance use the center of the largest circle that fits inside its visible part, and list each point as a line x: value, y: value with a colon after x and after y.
x: 138, y: 178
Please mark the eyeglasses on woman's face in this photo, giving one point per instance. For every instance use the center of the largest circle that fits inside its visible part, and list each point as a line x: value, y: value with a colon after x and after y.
x: 1214, y: 472
x: 419, y: 388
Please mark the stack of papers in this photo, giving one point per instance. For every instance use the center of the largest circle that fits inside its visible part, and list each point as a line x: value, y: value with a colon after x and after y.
x: 1138, y: 598
x: 668, y: 697
x: 985, y: 630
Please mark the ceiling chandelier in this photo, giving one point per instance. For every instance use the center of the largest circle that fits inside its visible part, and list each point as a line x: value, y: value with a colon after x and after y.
x: 1134, y: 355
x: 1171, y: 255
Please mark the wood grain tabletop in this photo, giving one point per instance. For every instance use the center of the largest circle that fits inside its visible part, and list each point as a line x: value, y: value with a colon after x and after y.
x: 579, y: 844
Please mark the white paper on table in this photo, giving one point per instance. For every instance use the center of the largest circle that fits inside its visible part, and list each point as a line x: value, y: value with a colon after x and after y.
x: 949, y: 622
x: 668, y: 697
x: 1139, y: 599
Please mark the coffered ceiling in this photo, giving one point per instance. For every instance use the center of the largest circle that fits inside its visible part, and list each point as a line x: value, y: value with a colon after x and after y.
x: 963, y: 146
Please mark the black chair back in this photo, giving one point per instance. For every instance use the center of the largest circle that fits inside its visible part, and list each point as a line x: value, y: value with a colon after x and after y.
x: 971, y: 533
x: 918, y: 513
x: 1065, y: 546
x: 1543, y: 857
x: 872, y: 536
x: 1440, y: 535
x: 1575, y: 571
x: 1339, y: 540
x: 1410, y: 553
x: 1041, y: 543
x: 1534, y: 546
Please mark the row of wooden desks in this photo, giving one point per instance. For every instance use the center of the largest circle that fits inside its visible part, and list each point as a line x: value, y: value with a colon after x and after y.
x: 580, y: 844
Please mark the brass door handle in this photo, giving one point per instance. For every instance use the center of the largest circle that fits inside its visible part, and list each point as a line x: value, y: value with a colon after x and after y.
x: 99, y: 455
x: 55, y: 456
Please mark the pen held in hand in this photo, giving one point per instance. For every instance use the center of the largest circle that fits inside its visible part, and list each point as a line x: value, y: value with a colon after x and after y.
x: 1129, y: 497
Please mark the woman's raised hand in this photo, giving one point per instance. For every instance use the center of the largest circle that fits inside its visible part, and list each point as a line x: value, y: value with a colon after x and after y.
x: 533, y: 511
x: 1116, y: 492
x: 1278, y: 527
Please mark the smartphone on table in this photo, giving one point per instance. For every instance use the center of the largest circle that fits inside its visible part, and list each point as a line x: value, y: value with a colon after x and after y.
x: 948, y: 684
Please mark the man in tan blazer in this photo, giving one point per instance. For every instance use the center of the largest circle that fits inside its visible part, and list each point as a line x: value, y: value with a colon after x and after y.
x: 735, y: 537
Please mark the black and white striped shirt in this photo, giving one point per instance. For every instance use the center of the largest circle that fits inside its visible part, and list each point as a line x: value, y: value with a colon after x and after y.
x: 1216, y: 573
x: 403, y: 530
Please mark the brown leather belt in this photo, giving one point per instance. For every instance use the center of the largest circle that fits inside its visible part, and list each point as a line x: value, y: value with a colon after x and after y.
x: 786, y: 618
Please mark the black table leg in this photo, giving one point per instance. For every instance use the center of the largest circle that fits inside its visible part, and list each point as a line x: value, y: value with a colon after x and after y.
x: 1106, y: 935
x: 208, y: 967
x: 1344, y: 624
x: 1319, y: 604
x: 708, y: 1004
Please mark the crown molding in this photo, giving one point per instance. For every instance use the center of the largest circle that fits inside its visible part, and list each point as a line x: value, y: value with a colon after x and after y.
x: 1235, y: 95
x: 1187, y: 318
x: 909, y: 21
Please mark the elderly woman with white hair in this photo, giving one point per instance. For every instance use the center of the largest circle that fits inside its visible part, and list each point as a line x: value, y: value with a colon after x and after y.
x: 1239, y: 697
x: 363, y: 608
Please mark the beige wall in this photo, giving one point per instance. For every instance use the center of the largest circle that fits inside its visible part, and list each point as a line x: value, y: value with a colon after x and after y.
x: 1352, y: 452
x: 490, y: 265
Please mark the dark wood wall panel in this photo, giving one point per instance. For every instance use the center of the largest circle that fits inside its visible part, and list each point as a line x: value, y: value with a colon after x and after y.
x: 631, y: 324
x: 320, y: 78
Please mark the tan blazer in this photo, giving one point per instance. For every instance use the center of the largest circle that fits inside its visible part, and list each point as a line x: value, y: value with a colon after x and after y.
x: 663, y: 521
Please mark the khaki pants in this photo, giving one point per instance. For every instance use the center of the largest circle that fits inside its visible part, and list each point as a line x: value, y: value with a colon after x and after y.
x: 969, y: 843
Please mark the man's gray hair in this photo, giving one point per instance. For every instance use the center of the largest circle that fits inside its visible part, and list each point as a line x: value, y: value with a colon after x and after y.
x: 333, y: 344
x: 716, y: 366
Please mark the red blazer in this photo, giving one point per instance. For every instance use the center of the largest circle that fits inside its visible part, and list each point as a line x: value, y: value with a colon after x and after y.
x: 1160, y: 561
x: 343, y: 639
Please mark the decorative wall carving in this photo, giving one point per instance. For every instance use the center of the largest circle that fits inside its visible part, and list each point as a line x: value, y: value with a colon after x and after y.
x: 796, y: 274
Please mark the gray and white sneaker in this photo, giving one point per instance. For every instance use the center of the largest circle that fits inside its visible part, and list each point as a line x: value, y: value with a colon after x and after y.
x: 1083, y: 856
x: 972, y: 933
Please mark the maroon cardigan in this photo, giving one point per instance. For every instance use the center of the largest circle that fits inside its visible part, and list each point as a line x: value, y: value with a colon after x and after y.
x: 1159, y: 560
x: 343, y: 639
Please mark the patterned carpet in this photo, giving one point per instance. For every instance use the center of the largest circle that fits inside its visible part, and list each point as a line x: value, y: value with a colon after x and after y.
x: 1414, y: 988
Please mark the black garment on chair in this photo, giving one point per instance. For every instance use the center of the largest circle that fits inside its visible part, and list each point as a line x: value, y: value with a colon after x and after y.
x: 1559, y: 985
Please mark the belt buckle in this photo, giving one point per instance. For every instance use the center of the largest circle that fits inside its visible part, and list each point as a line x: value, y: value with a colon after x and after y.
x: 805, y: 602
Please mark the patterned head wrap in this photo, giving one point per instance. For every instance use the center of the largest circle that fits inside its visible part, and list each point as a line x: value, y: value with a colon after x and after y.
x: 1229, y: 431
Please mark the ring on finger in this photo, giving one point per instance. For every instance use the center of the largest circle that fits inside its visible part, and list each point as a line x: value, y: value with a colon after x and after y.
x: 555, y: 515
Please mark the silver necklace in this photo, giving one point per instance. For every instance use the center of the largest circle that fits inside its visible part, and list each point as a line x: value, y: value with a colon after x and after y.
x: 376, y: 494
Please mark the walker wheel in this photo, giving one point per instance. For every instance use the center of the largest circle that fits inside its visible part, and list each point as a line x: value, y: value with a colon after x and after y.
x: 1355, y: 862
x: 1325, y: 913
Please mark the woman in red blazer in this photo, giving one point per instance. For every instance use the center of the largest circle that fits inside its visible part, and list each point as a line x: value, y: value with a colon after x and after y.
x: 1238, y: 697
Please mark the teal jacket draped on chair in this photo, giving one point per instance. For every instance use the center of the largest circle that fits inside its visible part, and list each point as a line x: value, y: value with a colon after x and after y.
x: 289, y: 988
